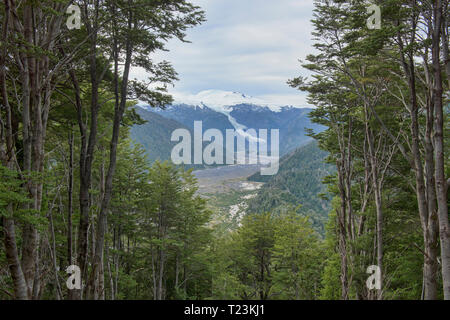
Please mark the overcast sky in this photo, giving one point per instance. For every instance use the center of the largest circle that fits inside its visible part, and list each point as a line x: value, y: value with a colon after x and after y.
x: 249, y: 46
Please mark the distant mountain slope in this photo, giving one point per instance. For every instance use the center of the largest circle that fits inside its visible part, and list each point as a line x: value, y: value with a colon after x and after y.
x: 290, y: 121
x: 155, y: 135
x: 299, y: 181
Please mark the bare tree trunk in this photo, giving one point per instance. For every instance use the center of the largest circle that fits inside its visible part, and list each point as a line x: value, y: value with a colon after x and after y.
x: 161, y: 274
x: 441, y: 183
x: 86, y: 158
x: 155, y: 285
x: 430, y: 277
x: 70, y: 201
x: 37, y: 85
x: 445, y: 39
x: 52, y: 249
x: 70, y: 255
x: 6, y: 157
x: 341, y: 229
x: 30, y: 144
x: 430, y: 231
x: 377, y: 188
x: 111, y: 279
x: 177, y: 270
x: 87, y: 146
x: 20, y: 286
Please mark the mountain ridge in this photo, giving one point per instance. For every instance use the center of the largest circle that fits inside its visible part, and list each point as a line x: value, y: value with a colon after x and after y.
x: 298, y: 181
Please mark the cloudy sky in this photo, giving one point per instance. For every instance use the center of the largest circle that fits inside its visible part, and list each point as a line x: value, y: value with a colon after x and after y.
x: 249, y: 46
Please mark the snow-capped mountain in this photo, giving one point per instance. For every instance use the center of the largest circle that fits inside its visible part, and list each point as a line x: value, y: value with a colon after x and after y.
x: 223, y: 110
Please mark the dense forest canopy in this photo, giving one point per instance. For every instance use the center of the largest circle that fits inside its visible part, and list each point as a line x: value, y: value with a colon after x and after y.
x: 76, y: 190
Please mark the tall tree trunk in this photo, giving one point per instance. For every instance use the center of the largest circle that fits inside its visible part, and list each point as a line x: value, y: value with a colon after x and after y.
x: 70, y: 295
x: 31, y: 145
x: 445, y: 39
x: 87, y: 148
x: 7, y: 157
x: 430, y: 232
x: 37, y: 85
x: 430, y: 278
x: 70, y: 201
x: 12, y: 255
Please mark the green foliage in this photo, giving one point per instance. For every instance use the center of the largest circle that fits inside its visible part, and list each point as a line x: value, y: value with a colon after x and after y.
x: 12, y: 195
